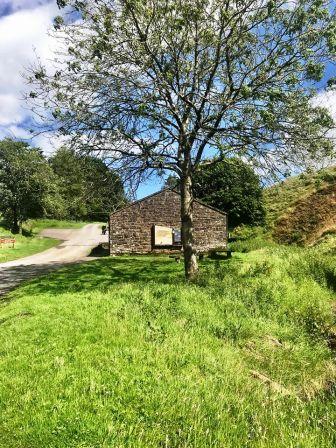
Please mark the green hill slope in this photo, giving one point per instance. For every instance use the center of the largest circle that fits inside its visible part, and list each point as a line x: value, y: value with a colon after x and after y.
x: 302, y: 209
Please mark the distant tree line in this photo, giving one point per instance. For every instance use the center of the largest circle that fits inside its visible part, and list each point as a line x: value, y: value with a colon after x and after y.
x: 65, y: 186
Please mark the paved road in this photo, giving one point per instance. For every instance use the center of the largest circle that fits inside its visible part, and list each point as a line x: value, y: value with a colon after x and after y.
x: 76, y: 247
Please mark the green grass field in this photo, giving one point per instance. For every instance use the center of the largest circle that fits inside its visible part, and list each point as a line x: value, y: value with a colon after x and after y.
x: 120, y: 352
x: 31, y: 243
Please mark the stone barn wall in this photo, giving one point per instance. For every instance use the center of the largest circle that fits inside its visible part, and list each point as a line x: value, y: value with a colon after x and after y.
x: 131, y: 227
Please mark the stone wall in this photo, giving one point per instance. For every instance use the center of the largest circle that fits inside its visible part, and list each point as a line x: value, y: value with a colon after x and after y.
x: 131, y: 227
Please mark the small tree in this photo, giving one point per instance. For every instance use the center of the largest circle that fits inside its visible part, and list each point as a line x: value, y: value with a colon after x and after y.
x: 27, y: 184
x: 160, y: 83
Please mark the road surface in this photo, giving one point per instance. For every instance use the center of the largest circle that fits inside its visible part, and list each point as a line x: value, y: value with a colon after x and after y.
x: 76, y: 247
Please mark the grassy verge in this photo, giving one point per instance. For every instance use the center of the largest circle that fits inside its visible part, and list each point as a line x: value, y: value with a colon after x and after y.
x: 24, y: 246
x: 122, y: 353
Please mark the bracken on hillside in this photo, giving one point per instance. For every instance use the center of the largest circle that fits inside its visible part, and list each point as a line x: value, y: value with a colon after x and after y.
x: 303, y: 209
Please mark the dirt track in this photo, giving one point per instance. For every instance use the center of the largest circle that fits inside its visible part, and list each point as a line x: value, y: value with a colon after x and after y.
x: 76, y: 246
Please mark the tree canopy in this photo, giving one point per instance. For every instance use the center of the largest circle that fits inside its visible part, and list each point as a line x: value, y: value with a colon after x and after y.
x: 28, y: 187
x: 160, y: 83
x: 67, y: 186
x: 232, y: 186
x: 229, y: 185
x: 90, y: 190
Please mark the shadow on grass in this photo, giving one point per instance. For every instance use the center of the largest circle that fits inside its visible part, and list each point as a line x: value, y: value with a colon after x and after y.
x: 101, y: 274
x: 13, y: 276
x: 331, y: 280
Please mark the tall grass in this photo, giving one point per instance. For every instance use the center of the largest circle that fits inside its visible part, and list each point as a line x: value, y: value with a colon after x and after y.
x: 122, y: 353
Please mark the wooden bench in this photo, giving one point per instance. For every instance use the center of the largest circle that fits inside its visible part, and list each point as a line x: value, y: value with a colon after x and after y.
x: 4, y: 240
x: 215, y: 253
x: 212, y: 254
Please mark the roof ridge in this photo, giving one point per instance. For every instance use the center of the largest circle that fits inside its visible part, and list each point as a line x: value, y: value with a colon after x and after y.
x: 172, y: 189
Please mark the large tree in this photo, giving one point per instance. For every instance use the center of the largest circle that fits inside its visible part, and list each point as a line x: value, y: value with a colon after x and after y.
x: 28, y: 187
x: 88, y: 187
x: 161, y: 83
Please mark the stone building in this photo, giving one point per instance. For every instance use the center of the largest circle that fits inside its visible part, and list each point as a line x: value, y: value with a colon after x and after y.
x: 153, y: 225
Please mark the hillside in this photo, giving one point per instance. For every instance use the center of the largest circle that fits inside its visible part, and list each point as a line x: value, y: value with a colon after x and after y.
x: 302, y: 209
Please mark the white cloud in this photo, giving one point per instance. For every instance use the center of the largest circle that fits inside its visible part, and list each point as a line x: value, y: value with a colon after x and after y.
x: 49, y: 143
x: 326, y: 99
x: 20, y: 34
x: 10, y: 110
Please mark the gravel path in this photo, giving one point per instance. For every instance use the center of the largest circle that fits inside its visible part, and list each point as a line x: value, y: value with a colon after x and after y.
x: 76, y: 246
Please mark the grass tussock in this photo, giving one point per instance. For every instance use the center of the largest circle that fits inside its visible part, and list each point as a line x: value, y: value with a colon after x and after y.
x: 122, y: 353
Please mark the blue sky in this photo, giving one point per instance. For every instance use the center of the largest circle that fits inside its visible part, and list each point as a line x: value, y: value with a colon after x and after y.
x: 23, y: 28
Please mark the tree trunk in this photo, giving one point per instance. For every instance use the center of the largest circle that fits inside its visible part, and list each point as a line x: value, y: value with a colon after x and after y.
x: 190, y: 259
x: 15, y: 224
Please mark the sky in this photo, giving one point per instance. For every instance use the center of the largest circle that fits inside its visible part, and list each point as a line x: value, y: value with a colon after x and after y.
x: 24, y: 28
x: 23, y: 34
x: 23, y: 31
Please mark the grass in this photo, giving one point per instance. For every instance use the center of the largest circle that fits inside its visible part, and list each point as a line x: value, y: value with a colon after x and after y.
x: 247, y: 239
x: 24, y: 246
x: 30, y: 243
x: 120, y: 352
x: 301, y: 209
x: 35, y: 226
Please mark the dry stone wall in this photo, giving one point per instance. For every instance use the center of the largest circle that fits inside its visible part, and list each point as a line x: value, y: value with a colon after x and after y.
x: 131, y: 228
